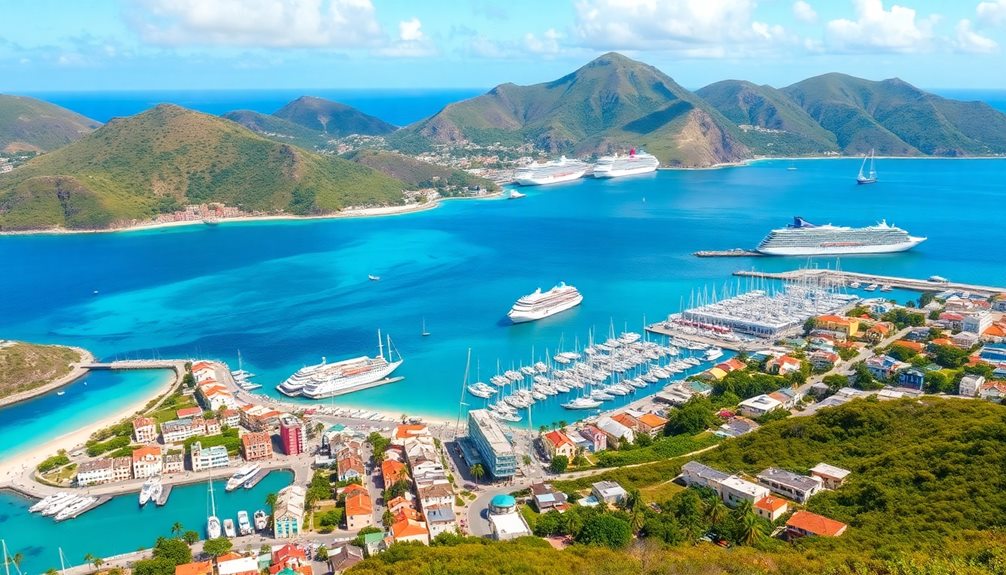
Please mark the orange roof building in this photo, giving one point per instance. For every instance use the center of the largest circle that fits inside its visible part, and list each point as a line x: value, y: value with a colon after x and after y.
x: 392, y: 471
x: 195, y: 568
x: 912, y: 345
x: 771, y: 507
x: 410, y: 530
x: 558, y: 443
x: 805, y: 523
x: 651, y: 423
x: 407, y: 430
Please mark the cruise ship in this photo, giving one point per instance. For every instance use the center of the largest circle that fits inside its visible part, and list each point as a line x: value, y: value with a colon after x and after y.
x: 539, y: 305
x: 633, y: 164
x: 554, y: 172
x: 802, y: 238
x: 331, y: 379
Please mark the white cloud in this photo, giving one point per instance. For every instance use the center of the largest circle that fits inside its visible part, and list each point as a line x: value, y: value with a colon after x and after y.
x: 410, y: 30
x: 690, y: 27
x: 992, y: 12
x: 258, y: 23
x: 547, y: 44
x: 804, y: 12
x: 483, y: 47
x: 411, y: 43
x: 877, y: 29
x: 970, y: 41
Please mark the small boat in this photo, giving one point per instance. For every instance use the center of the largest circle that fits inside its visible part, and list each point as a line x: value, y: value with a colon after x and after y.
x: 870, y: 176
x: 244, y: 525
x: 49, y: 500
x: 885, y: 287
x: 515, y: 195
x: 871, y: 287
x: 713, y: 354
x: 211, y: 221
x: 212, y: 521
x: 60, y: 393
x: 938, y: 279
x: 229, y: 529
x: 855, y: 285
x: 151, y: 490
x: 241, y: 476
x: 75, y: 508
x: 261, y: 520
x: 424, y: 333
x: 373, y: 278
x: 791, y: 168
x: 582, y: 403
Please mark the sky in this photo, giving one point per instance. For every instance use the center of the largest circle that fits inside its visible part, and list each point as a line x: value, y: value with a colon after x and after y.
x: 95, y: 45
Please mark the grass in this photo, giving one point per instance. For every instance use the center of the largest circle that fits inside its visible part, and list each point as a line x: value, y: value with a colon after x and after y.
x: 661, y: 491
x: 25, y: 366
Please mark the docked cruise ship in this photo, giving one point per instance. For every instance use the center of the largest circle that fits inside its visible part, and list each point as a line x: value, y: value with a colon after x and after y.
x: 802, y: 238
x: 633, y: 164
x: 561, y: 170
x: 541, y: 304
x: 331, y: 379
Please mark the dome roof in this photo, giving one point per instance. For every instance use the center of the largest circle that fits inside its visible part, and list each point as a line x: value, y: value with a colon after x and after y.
x: 503, y: 500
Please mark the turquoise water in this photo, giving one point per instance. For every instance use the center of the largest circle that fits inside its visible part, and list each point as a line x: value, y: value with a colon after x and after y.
x: 32, y: 423
x: 287, y: 293
x: 119, y: 526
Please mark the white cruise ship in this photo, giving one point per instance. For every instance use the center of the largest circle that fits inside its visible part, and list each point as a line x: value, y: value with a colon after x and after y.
x: 541, y: 304
x: 561, y: 170
x: 633, y: 164
x: 805, y: 239
x: 331, y: 379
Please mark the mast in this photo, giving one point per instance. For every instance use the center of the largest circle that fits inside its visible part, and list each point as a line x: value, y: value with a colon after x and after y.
x: 6, y: 565
x: 380, y: 344
x: 213, y: 501
x: 461, y: 400
x: 62, y: 562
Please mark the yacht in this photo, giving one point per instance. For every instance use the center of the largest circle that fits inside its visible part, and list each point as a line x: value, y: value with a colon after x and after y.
x: 48, y: 500
x: 479, y: 389
x: 617, y: 166
x: 229, y: 530
x: 712, y: 354
x: 244, y: 525
x: 561, y: 170
x: 261, y: 520
x: 515, y: 195
x: 582, y: 403
x: 539, y: 305
x: 75, y: 508
x: 241, y: 476
x: 212, y: 521
x: 60, y: 505
x: 802, y: 238
x: 871, y: 287
x: 938, y: 279
x: 869, y: 176
x: 151, y: 490
x: 331, y: 379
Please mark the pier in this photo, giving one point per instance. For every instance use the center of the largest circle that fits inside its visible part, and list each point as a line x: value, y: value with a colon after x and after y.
x: 175, y: 364
x: 162, y: 500
x: 845, y: 278
x: 258, y: 477
x: 734, y: 253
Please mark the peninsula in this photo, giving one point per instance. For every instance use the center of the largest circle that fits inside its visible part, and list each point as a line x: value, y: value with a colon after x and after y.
x: 28, y: 370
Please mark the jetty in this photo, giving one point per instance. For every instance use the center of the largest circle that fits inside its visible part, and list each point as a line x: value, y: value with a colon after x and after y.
x: 162, y: 500
x: 258, y: 477
x: 176, y: 364
x: 830, y: 276
x: 734, y: 253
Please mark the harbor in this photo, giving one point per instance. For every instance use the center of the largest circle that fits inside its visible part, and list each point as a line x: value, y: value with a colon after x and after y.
x: 846, y: 278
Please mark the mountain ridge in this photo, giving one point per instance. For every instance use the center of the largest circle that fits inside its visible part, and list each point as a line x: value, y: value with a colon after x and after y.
x: 29, y: 124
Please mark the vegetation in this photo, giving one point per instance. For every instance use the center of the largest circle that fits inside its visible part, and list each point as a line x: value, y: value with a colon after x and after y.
x: 558, y: 464
x: 27, y: 124
x: 50, y: 463
x: 217, y: 547
x: 227, y: 437
x: 332, y: 118
x: 278, y: 129
x: 660, y: 448
x: 136, y: 167
x: 97, y: 448
x: 417, y: 174
x: 26, y: 366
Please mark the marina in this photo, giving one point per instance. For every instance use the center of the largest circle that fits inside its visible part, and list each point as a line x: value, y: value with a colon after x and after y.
x: 842, y: 277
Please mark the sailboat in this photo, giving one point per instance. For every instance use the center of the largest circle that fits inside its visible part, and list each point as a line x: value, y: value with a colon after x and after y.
x: 870, y: 177
x: 424, y: 333
x: 212, y: 522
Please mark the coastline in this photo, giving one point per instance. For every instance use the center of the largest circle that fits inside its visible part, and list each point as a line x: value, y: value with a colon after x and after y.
x: 379, y: 212
x: 12, y: 466
x: 76, y: 372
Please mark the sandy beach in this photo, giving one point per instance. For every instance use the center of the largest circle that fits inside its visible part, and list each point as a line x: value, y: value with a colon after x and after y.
x: 13, y: 466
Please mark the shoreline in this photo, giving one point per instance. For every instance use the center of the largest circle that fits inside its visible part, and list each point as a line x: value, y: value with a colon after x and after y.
x: 378, y: 212
x: 76, y: 372
x: 13, y: 464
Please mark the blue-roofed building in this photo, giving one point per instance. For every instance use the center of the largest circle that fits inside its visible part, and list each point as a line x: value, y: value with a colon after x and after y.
x: 912, y: 377
x: 547, y: 498
x: 494, y: 448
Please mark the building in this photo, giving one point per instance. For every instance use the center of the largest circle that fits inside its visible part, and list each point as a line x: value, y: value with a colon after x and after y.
x: 256, y: 445
x: 291, y: 435
x: 410, y: 530
x: 436, y: 494
x: 174, y: 463
x: 359, y: 508
x: 783, y: 365
x: 597, y: 439
x: 651, y: 424
x: 558, y: 443
x: 215, y: 396
x: 392, y: 471
x: 94, y: 472
x: 695, y: 473
x: 209, y: 458
x: 758, y: 406
x: 122, y: 468
x: 407, y: 430
x: 965, y: 339
x: 440, y: 519
x: 505, y: 521
x: 615, y: 431
x: 737, y: 426
x: 977, y: 322
x: 259, y: 417
x: 188, y: 412
x: 798, y: 487
x: 733, y: 490
x: 289, y: 555
x: 805, y: 523
x: 823, y: 360
x: 195, y: 568
x: 495, y: 449
x: 179, y: 430
x: 547, y: 498
x: 144, y: 430
x: 230, y: 417
x: 342, y: 558
x: 970, y: 384
x: 912, y: 377
x: 831, y: 477
x: 770, y: 508
x: 237, y: 566
x: 147, y: 461
x: 608, y: 492
x: 883, y: 367
x: 288, y: 513
x: 993, y: 390
x: 350, y: 467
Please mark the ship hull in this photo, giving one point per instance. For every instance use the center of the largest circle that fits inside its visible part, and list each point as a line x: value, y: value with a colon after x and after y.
x: 350, y: 385
x: 618, y: 173
x: 546, y: 180
x: 841, y: 250
x: 524, y: 317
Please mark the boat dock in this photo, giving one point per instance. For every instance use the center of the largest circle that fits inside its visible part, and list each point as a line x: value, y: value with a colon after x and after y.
x: 377, y: 383
x: 103, y: 499
x: 258, y: 477
x: 162, y: 500
x: 845, y: 278
x: 669, y: 330
x: 734, y: 253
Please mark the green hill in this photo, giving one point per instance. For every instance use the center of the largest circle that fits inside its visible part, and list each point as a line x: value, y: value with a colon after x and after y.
x: 278, y: 129
x: 27, y: 124
x: 793, y: 131
x: 609, y: 104
x: 416, y: 173
x: 896, y: 118
x: 133, y: 168
x: 332, y: 118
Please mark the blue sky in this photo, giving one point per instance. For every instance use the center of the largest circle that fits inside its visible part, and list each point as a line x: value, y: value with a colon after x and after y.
x: 54, y: 45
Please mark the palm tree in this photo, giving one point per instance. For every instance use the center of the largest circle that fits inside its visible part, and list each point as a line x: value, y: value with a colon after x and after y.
x: 743, y: 509
x: 177, y: 528
x: 542, y: 429
x: 751, y: 530
x: 270, y: 501
x: 51, y: 571
x: 477, y: 471
x: 16, y: 559
x: 89, y: 558
x: 635, y: 505
x: 98, y: 562
x: 716, y: 511
x: 562, y: 424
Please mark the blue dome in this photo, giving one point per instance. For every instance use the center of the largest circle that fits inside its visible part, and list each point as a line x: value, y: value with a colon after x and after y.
x: 503, y: 500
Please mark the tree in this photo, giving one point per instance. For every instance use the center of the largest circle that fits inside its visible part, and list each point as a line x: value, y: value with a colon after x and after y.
x: 191, y: 537
x: 174, y: 550
x: 542, y: 429
x: 750, y: 530
x: 177, y: 528
x: 89, y: 559
x: 16, y: 559
x: 321, y: 554
x: 835, y: 381
x: 716, y: 511
x: 809, y: 325
x: 605, y: 529
x: 559, y: 464
x: 694, y: 416
x: 270, y: 501
x: 636, y: 508
x: 358, y: 540
x: 156, y: 566
x: 217, y: 547
x: 387, y: 518
x: 51, y: 571
x: 477, y: 472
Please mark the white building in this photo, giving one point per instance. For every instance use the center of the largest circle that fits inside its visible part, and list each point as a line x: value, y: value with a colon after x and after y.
x: 831, y: 477
x: 209, y: 458
x: 94, y: 472
x: 288, y: 515
x: 608, y: 492
x: 970, y: 384
x: 977, y: 322
x: 758, y: 406
x: 614, y: 431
